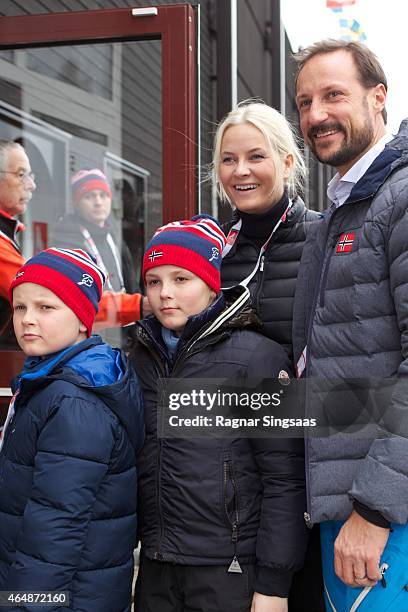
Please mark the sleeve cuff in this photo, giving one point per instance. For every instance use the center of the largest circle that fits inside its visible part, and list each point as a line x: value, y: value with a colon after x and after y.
x: 372, y: 516
x: 271, y: 581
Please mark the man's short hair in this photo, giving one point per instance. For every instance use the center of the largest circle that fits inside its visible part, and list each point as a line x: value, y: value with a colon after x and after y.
x: 369, y: 69
x: 5, y: 147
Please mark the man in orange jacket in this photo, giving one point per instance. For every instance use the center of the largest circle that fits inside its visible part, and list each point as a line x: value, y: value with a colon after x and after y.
x: 16, y: 188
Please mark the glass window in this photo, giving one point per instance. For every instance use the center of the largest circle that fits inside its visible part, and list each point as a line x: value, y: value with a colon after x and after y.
x: 89, y: 114
x: 88, y: 67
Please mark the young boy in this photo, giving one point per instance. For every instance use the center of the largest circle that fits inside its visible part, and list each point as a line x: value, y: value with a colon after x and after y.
x: 220, y: 520
x: 68, y: 451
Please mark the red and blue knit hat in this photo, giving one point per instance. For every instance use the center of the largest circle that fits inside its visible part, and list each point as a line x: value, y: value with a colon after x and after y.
x: 84, y: 181
x: 195, y: 245
x: 71, y: 274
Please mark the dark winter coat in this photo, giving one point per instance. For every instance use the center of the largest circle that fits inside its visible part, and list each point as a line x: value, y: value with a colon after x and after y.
x: 68, y: 479
x: 197, y: 495
x: 273, y: 286
x: 352, y: 313
x: 67, y: 234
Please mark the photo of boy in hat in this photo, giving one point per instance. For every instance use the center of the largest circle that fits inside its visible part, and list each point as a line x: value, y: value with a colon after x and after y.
x: 68, y: 450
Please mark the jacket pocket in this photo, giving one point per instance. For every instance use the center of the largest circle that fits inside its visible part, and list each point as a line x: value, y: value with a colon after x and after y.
x: 230, y: 499
x: 367, y: 590
x: 388, y: 595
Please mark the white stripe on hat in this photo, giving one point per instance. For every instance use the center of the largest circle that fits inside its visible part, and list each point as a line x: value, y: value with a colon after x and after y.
x: 209, y: 228
x: 81, y: 256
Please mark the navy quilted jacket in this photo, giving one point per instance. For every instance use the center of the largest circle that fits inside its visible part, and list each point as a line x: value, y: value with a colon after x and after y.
x: 68, y: 479
x: 351, y: 311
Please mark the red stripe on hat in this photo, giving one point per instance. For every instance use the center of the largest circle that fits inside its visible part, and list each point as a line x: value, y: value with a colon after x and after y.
x: 91, y: 185
x: 63, y: 287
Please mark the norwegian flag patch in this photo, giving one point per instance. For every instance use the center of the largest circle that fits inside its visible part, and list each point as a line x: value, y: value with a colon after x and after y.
x: 155, y: 255
x: 345, y: 242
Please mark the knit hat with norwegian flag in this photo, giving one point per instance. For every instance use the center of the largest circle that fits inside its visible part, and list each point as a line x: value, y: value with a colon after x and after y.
x: 71, y: 274
x: 195, y: 245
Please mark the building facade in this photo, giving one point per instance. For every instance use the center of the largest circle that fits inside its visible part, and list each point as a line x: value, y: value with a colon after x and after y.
x: 136, y: 89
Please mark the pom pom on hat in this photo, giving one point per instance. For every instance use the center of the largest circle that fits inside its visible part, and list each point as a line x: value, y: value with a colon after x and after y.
x: 71, y: 274
x: 195, y: 245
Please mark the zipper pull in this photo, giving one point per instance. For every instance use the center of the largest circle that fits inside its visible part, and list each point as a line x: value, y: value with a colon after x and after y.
x: 262, y: 263
x: 383, y: 569
x: 308, y: 520
x: 235, y: 567
x: 383, y: 583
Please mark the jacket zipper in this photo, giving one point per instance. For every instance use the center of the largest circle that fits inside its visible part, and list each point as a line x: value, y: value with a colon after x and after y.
x: 9, y: 431
x: 307, y: 515
x: 164, y: 373
x: 324, y: 270
x: 157, y: 554
x: 260, y: 281
x: 229, y: 475
x: 161, y: 371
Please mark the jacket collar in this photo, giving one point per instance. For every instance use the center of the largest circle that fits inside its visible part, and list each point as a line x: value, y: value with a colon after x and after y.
x: 375, y: 176
x: 203, y: 325
x: 194, y: 323
x: 96, y: 231
x: 298, y: 206
x: 38, y: 367
x: 394, y: 155
x: 9, y: 227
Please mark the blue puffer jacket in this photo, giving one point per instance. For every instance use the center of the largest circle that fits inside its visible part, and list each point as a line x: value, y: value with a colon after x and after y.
x: 68, y: 479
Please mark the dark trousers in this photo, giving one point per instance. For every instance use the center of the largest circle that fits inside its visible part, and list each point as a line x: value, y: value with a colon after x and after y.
x: 306, y: 593
x: 170, y: 587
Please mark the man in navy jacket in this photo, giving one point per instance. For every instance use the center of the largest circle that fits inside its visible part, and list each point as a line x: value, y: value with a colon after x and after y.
x: 351, y: 319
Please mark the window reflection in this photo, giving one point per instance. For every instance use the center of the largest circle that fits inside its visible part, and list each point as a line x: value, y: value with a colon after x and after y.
x: 113, y: 124
x: 88, y: 67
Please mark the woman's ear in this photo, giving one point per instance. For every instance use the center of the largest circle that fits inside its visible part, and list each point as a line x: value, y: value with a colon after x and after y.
x: 287, y: 166
x: 82, y: 328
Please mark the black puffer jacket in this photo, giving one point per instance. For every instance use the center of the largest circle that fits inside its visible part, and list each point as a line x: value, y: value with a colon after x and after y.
x: 273, y: 286
x: 193, y: 490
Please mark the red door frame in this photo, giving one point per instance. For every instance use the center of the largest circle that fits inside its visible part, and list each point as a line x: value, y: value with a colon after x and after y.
x: 175, y: 26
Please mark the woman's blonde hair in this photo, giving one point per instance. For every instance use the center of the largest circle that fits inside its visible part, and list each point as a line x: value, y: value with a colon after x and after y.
x: 278, y: 133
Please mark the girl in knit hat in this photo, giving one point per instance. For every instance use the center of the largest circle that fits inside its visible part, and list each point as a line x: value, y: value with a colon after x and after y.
x: 220, y: 519
x: 68, y: 450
